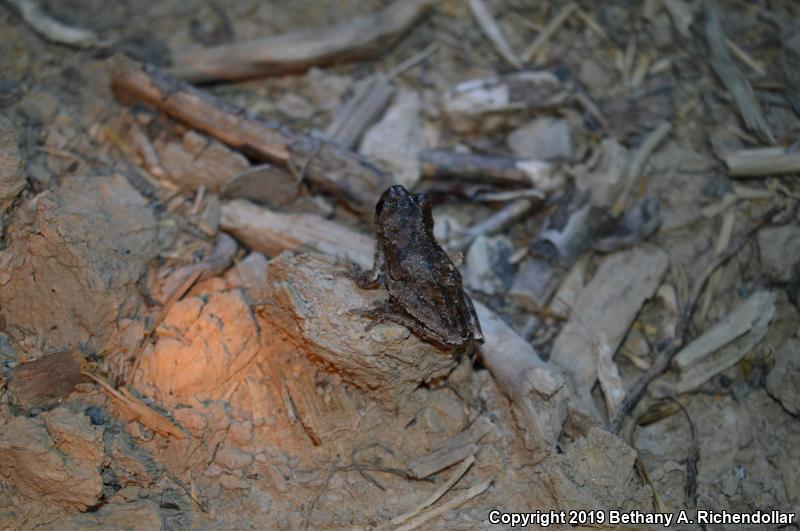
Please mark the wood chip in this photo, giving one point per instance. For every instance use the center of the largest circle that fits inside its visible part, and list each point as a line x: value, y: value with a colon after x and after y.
x: 762, y: 162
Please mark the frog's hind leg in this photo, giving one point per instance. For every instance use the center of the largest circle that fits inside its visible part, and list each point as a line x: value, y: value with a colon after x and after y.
x: 391, y: 312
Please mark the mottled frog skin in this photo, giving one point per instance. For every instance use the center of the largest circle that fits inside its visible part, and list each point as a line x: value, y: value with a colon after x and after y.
x: 425, y: 290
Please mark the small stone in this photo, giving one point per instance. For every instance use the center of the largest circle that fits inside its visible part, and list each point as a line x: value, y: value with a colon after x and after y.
x: 295, y: 107
x: 780, y: 251
x: 240, y: 433
x: 488, y: 267
x: 96, y: 414
x: 545, y: 138
x: 193, y: 420
x: 782, y: 381
x: 231, y: 482
x: 233, y: 458
x: 212, y: 471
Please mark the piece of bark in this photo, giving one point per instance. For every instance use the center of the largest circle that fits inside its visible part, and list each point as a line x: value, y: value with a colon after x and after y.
x: 297, y: 51
x: 607, y: 307
x: 762, y: 162
x: 734, y: 81
x: 537, y: 391
x: 195, y: 160
x: 264, y: 184
x: 73, y: 258
x: 468, y: 103
x: 504, y: 171
x: 395, y: 141
x: 44, y: 382
x: 312, y: 299
x: 342, y: 173
x: 271, y: 233
x: 12, y: 164
x: 361, y: 110
x: 737, y: 323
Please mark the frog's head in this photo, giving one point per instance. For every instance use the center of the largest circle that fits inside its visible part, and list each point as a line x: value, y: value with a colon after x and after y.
x: 398, y: 209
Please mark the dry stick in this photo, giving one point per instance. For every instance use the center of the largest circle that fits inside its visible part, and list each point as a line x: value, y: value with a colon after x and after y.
x: 637, y: 165
x: 340, y: 172
x: 50, y: 28
x: 762, y: 162
x: 664, y: 359
x: 459, y: 500
x: 441, y: 491
x: 734, y: 81
x: 548, y: 32
x: 297, y: 51
x: 140, y: 411
x: 492, y: 31
x: 492, y: 224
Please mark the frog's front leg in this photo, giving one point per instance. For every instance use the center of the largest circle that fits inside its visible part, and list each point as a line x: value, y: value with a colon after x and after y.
x: 372, y: 279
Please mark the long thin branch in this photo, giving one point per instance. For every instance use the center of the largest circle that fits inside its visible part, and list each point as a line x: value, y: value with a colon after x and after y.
x: 340, y: 172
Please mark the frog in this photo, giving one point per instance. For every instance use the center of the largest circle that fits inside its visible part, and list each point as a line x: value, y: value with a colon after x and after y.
x: 426, y: 294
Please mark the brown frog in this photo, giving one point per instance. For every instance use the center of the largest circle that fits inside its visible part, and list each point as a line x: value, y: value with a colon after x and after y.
x: 425, y: 291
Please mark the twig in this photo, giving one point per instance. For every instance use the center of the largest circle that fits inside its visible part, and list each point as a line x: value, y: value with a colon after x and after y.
x: 492, y: 31
x: 547, y: 33
x: 664, y: 358
x: 342, y: 173
x: 459, y: 500
x: 492, y: 224
x: 359, y: 38
x: 737, y: 85
x: 413, y: 61
x: 762, y: 162
x: 140, y: 411
x: 50, y: 28
x: 745, y: 58
x: 637, y: 164
x: 433, y: 498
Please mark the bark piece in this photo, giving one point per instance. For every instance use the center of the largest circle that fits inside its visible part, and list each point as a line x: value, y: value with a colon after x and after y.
x: 45, y: 382
x: 12, y: 164
x: 297, y: 51
x: 312, y: 300
x: 74, y: 256
x: 507, y: 171
x: 30, y: 461
x: 197, y: 161
x: 607, y: 306
x: 341, y: 173
x: 272, y: 233
x: 366, y: 105
x: 395, y: 142
x: 545, y: 138
x: 469, y: 102
x: 264, y: 184
x: 537, y: 392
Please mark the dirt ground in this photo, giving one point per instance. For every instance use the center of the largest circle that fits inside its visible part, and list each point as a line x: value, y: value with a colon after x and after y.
x: 178, y: 331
